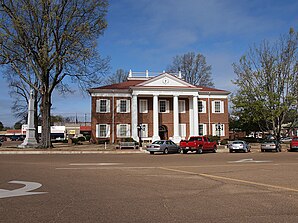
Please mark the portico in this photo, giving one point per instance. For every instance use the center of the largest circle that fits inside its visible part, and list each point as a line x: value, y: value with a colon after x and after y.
x: 192, y: 97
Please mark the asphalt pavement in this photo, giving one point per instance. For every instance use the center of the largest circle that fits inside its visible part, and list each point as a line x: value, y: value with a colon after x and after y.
x: 138, y: 187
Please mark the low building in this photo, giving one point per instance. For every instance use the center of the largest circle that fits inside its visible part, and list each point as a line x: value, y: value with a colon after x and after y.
x: 159, y: 107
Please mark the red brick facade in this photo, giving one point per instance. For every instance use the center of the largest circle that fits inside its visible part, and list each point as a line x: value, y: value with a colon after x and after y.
x: 208, y: 119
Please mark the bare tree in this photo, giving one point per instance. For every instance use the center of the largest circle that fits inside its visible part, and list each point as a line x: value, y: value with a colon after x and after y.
x: 194, y: 69
x: 119, y: 76
x: 56, y: 41
x: 267, y: 78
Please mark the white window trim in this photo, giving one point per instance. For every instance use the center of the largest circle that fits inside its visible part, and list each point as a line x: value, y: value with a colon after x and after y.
x: 167, y: 106
x: 222, y: 132
x: 98, y: 106
x: 145, y: 101
x: 221, y: 107
x: 182, y: 130
x: 181, y: 106
x: 118, y: 103
x: 203, y: 105
x: 127, y: 131
x: 98, y: 131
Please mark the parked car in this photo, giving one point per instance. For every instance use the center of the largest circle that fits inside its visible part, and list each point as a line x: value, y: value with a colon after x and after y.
x: 239, y: 145
x: 294, y: 144
x: 164, y: 146
x: 271, y: 145
x: 286, y: 140
x: 199, y: 144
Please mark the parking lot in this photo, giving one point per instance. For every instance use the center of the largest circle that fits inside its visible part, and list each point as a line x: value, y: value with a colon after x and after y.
x: 210, y: 187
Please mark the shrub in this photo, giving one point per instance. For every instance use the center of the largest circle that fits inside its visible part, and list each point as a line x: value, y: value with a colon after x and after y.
x: 81, y: 139
x: 214, y: 138
x: 224, y: 141
x: 103, y: 141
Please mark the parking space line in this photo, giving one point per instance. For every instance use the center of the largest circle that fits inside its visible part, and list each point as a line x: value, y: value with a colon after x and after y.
x: 232, y: 179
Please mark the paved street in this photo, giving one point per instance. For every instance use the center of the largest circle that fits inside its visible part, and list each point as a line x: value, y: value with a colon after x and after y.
x: 221, y: 187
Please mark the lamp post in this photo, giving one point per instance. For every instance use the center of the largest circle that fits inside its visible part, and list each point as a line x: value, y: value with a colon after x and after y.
x: 140, y: 128
x: 218, y: 128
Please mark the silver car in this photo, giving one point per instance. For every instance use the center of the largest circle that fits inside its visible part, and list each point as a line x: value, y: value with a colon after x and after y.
x: 164, y: 146
x: 271, y: 145
x: 239, y: 146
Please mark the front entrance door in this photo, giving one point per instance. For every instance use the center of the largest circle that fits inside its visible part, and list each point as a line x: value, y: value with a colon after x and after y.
x: 163, y: 132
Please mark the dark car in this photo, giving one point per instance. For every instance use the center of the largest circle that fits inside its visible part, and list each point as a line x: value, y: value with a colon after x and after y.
x: 164, y: 146
x: 270, y: 145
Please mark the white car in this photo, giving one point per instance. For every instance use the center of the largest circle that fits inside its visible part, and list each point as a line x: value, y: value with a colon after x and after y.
x: 239, y: 145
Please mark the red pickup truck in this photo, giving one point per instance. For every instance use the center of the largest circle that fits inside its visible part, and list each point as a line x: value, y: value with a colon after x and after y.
x: 294, y: 144
x: 199, y: 144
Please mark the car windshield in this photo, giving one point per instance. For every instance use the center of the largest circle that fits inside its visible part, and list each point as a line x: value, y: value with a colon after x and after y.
x: 195, y: 139
x: 158, y: 142
x: 295, y: 139
x: 237, y: 142
x: 269, y: 141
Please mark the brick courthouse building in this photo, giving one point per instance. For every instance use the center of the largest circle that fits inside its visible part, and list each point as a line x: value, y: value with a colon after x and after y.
x: 165, y: 106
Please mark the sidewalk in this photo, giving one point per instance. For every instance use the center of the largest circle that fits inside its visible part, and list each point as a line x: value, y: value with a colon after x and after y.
x: 64, y: 148
x: 85, y: 148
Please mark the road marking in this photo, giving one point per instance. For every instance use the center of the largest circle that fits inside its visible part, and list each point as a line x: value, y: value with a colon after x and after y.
x: 250, y: 161
x: 233, y: 179
x: 94, y: 164
x: 29, y: 186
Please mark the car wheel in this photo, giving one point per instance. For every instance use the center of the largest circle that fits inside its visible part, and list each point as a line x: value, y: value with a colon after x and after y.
x: 231, y: 151
x: 199, y: 151
x: 214, y: 149
x: 151, y: 152
x: 262, y: 150
x: 184, y: 151
x: 166, y: 151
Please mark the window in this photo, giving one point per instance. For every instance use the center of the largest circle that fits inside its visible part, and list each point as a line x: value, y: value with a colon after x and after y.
x: 202, y: 130
x: 218, y: 129
x: 181, y: 106
x: 202, y: 106
x: 143, y: 107
x: 144, y: 131
x: 217, y: 106
x: 102, y: 131
x: 123, y: 130
x: 182, y: 130
x: 163, y: 106
x: 103, y: 106
x: 123, y: 106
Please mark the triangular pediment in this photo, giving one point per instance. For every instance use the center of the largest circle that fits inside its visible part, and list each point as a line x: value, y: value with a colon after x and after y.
x: 165, y: 80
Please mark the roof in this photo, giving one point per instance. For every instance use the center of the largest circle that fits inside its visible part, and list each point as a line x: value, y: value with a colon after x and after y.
x: 123, y: 85
x: 147, y: 83
x: 132, y: 83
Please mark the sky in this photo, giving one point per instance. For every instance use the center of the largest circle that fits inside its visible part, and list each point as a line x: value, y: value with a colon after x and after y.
x: 147, y: 34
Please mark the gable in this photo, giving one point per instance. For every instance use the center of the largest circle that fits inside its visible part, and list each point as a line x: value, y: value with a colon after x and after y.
x: 165, y: 80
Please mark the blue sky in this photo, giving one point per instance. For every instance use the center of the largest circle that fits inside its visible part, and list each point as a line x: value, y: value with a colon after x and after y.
x: 147, y: 34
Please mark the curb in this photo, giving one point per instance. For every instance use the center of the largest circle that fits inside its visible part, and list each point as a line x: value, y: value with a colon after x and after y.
x: 54, y: 152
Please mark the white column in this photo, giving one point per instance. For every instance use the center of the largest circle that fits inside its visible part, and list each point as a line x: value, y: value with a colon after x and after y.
x: 176, y: 136
x: 191, y: 117
x: 30, y: 140
x: 195, y: 116
x: 155, y: 119
x: 134, y: 118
